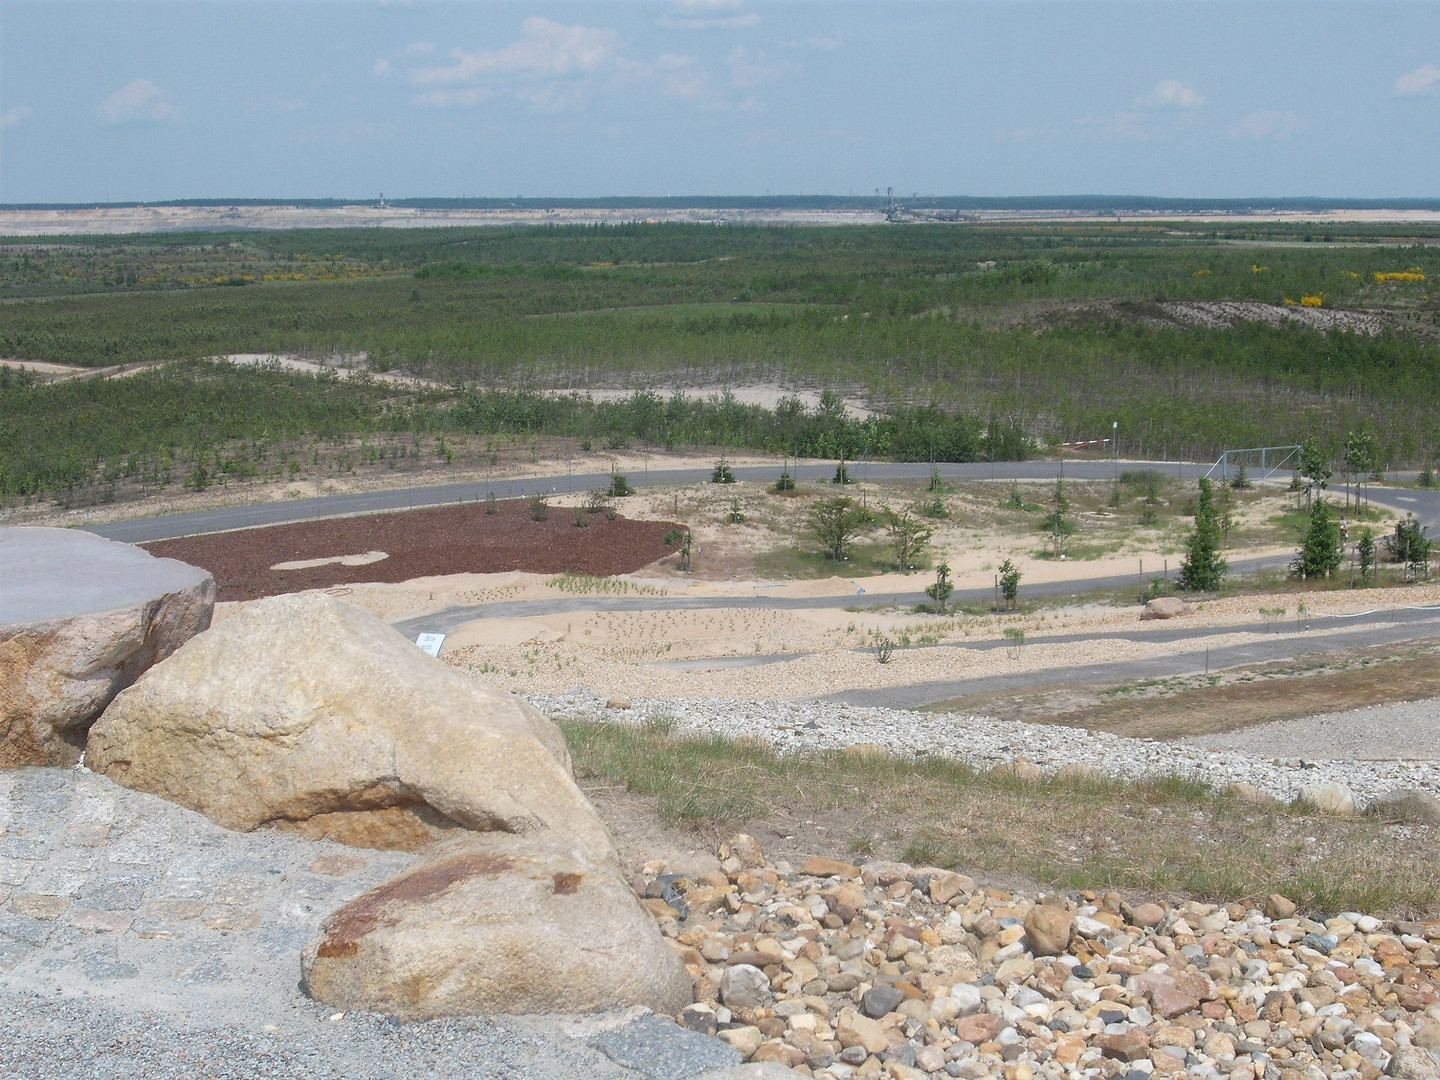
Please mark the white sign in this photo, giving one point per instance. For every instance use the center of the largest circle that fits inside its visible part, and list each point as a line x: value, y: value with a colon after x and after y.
x: 431, y: 643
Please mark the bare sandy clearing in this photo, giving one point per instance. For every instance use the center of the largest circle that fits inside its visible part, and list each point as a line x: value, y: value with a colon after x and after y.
x: 1222, y: 313
x: 139, y: 219
x: 364, y: 559
x: 342, y: 367
x: 766, y: 395
x: 40, y: 367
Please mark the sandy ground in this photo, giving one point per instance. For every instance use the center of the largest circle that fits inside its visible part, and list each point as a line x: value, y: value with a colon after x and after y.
x: 137, y: 219
x: 714, y: 651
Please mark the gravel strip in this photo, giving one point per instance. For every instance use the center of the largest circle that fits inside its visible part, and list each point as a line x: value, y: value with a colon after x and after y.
x: 1408, y: 729
x: 986, y: 742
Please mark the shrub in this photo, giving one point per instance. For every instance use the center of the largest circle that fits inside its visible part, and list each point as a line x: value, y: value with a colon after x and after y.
x: 941, y: 590
x: 539, y: 509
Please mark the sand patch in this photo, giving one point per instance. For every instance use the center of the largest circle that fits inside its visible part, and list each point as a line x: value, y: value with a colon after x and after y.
x: 363, y: 559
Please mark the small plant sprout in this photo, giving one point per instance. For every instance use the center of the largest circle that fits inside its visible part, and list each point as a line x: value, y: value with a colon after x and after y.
x: 1014, y: 641
x: 884, y: 648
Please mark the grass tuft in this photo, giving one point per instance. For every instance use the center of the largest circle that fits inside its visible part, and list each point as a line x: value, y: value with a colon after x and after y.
x: 1170, y: 836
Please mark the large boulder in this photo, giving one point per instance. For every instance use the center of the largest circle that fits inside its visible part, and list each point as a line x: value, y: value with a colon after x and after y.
x: 80, y: 619
x: 496, y: 924
x: 1164, y: 607
x: 305, y: 711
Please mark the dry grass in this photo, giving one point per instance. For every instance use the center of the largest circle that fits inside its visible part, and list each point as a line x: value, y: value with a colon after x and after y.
x: 1169, y: 837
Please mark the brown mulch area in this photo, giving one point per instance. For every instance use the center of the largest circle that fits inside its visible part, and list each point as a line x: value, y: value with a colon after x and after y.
x: 420, y: 543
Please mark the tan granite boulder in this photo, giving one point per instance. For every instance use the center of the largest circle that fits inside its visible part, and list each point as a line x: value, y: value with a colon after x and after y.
x: 1165, y: 607
x: 496, y: 924
x: 307, y: 712
x: 80, y: 619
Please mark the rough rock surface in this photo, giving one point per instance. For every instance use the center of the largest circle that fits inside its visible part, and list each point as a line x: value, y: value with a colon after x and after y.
x: 496, y: 924
x: 80, y: 619
x: 1212, y: 991
x: 305, y: 710
x: 1165, y: 607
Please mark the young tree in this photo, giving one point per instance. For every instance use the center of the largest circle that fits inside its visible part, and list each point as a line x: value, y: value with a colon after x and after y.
x: 1009, y: 582
x: 1056, y: 523
x: 834, y: 522
x: 1410, y: 545
x: 1365, y: 549
x: 1320, y: 552
x: 909, y: 534
x: 941, y: 590
x: 1203, y: 569
x: 1315, y: 468
x: 1359, y: 460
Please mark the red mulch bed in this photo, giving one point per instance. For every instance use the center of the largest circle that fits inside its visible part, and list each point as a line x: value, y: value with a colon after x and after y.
x: 421, y: 543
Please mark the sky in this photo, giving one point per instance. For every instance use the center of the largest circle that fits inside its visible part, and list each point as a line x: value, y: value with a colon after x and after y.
x: 144, y: 101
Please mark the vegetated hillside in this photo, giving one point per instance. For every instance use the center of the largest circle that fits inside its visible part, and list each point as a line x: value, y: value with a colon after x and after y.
x: 1061, y: 329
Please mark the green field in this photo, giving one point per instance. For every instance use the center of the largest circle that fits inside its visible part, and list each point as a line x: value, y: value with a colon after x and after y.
x: 1001, y: 339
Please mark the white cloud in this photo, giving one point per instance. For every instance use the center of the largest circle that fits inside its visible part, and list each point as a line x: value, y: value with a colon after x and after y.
x: 1267, y: 124
x: 445, y: 99
x: 1171, y: 94
x: 11, y: 117
x: 545, y: 48
x: 1420, y: 81
x: 708, y: 15
x: 382, y: 67
x: 139, y: 99
x: 420, y: 48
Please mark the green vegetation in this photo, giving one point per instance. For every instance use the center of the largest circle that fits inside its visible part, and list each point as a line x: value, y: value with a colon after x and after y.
x: 1009, y: 583
x: 1204, y: 568
x: 1167, y: 835
x: 834, y: 522
x: 1321, y: 552
x: 941, y: 590
x: 994, y: 339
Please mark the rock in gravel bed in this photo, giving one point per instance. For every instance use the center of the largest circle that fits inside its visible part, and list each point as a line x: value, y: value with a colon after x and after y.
x: 1030, y: 749
x: 863, y: 974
